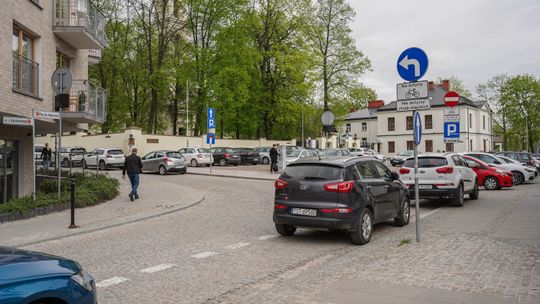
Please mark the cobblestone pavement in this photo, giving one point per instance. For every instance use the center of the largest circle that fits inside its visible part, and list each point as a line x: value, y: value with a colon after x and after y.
x: 225, y: 250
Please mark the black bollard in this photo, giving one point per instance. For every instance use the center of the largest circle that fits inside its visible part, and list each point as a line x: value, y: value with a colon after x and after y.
x: 72, y: 188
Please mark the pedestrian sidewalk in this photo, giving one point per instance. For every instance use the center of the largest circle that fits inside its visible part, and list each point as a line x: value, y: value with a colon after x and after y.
x: 158, y: 196
x: 234, y: 172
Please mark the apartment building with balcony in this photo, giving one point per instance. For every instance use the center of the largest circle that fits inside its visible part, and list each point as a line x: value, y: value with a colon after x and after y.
x: 37, y: 37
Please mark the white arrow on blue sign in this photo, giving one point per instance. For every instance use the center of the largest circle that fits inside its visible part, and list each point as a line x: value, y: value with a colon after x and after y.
x: 412, y: 64
x: 211, y: 116
x: 417, y: 128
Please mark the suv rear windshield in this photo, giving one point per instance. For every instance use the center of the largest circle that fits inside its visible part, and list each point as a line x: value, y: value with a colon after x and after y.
x: 313, y: 172
x: 115, y: 152
x: 204, y: 150
x: 174, y: 155
x: 426, y: 162
x: 78, y: 150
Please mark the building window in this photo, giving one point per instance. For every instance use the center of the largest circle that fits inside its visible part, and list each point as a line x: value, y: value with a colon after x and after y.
x: 428, y: 121
x: 471, y: 146
x: 391, y: 124
x: 484, y: 122
x: 364, y: 142
x: 410, y: 145
x: 449, y: 147
x: 391, y: 147
x: 364, y: 126
x: 25, y: 70
x: 409, y: 122
x: 470, y: 120
x: 63, y: 61
x: 429, y: 145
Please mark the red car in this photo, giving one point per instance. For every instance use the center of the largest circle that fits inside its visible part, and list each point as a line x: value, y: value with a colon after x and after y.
x: 492, y: 178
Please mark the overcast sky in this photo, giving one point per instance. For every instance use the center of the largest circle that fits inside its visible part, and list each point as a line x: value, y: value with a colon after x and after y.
x: 471, y: 39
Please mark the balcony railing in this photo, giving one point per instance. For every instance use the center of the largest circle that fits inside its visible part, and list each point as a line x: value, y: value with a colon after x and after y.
x: 25, y: 75
x: 88, y: 100
x: 94, y: 56
x: 72, y: 16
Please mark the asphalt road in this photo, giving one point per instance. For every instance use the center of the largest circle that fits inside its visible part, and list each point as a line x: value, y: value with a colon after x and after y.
x: 224, y: 250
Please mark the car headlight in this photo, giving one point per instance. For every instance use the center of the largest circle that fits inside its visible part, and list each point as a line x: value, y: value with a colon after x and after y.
x: 84, y: 279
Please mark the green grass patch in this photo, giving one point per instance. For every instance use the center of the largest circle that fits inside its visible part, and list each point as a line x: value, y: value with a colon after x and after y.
x: 404, y: 242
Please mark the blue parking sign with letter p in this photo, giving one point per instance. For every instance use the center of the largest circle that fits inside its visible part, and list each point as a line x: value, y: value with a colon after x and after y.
x: 451, y: 129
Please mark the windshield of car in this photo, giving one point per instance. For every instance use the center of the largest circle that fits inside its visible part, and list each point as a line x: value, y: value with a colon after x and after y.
x: 174, y: 155
x: 329, y: 152
x: 408, y: 153
x: 115, y: 152
x: 204, y: 150
x: 78, y: 150
x: 293, y: 153
x: 426, y: 162
x: 506, y: 160
x: 230, y: 151
x: 313, y: 172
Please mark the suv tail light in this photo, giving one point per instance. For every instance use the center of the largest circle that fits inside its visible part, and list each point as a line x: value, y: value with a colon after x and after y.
x: 280, y: 206
x: 226, y: 155
x: 445, y: 170
x: 339, y: 187
x: 337, y: 210
x: 280, y: 184
x: 167, y: 160
x: 404, y: 171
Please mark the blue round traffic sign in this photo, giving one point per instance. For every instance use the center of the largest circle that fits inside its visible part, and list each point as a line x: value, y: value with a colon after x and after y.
x: 412, y: 64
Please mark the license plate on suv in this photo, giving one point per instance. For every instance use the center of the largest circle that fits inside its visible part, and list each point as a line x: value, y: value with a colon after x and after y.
x: 301, y: 211
x: 425, y: 187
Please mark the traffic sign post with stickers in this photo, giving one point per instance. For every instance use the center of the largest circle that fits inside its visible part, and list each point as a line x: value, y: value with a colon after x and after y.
x: 451, y: 118
x: 211, y: 134
x: 413, y: 96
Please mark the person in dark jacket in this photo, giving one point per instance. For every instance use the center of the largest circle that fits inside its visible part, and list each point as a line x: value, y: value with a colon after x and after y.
x: 46, y: 156
x: 273, y: 159
x: 133, y: 165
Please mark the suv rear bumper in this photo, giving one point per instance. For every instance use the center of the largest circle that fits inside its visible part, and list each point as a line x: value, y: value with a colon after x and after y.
x: 435, y: 193
x: 314, y: 222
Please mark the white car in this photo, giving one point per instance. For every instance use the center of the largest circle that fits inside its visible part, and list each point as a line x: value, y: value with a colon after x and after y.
x: 197, y: 156
x: 445, y: 176
x: 360, y: 152
x: 104, y: 158
x: 519, y: 172
x: 377, y: 155
x: 509, y: 160
x: 294, y: 155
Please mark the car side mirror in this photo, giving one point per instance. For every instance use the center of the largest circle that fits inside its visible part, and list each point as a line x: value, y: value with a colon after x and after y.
x: 395, y: 176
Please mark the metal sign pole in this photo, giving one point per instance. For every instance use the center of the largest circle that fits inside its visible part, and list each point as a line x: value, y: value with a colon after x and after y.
x: 34, y: 155
x: 59, y: 168
x: 416, y: 190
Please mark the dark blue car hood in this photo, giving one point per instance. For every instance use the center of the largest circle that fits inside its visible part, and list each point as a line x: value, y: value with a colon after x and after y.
x: 16, y: 265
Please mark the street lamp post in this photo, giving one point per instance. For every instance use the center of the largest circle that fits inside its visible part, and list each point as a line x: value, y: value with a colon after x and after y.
x: 187, y: 113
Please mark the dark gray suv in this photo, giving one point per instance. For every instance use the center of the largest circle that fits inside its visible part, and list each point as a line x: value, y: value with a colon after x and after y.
x: 341, y: 193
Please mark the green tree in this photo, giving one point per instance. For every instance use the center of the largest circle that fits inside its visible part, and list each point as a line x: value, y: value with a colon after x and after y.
x: 491, y: 92
x: 521, y: 96
x: 339, y: 62
x: 457, y: 85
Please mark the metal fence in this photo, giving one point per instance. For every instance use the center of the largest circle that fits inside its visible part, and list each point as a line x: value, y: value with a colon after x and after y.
x: 80, y: 14
x: 25, y: 75
x: 86, y: 98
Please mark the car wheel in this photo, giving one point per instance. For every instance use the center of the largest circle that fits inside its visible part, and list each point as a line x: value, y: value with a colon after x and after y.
x: 183, y: 171
x: 518, y: 177
x: 404, y: 213
x: 102, y: 166
x: 162, y: 170
x: 475, y: 192
x: 222, y: 162
x: 194, y: 163
x: 491, y: 183
x: 285, y: 230
x: 265, y: 160
x: 460, y: 199
x: 83, y: 165
x: 365, y: 228
x: 65, y: 162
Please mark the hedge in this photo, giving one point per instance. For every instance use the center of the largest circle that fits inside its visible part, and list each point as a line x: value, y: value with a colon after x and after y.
x: 90, y: 189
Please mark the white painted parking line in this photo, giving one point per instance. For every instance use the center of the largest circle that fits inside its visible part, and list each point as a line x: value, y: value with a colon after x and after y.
x: 429, y: 213
x: 238, y: 245
x: 158, y: 268
x: 203, y: 255
x: 111, y: 282
x: 266, y: 237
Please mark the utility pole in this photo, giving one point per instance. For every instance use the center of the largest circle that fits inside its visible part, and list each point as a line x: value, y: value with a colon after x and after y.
x: 303, y: 140
x: 187, y: 113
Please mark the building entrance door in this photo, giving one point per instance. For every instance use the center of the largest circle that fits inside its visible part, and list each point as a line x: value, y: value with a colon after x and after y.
x: 8, y: 169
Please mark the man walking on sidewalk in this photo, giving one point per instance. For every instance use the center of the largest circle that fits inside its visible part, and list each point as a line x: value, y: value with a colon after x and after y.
x: 133, y: 165
x: 273, y: 159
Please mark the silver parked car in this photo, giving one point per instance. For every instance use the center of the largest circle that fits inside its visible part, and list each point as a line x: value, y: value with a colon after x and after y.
x: 265, y: 154
x: 104, y: 158
x: 197, y: 156
x: 164, y: 161
x: 294, y: 155
x: 71, y: 154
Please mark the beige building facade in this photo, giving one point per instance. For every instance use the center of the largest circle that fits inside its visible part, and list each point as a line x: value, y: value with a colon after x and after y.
x: 37, y: 37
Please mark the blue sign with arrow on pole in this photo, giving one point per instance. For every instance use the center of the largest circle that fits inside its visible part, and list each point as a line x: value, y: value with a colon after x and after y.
x: 412, y: 64
x: 417, y: 128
